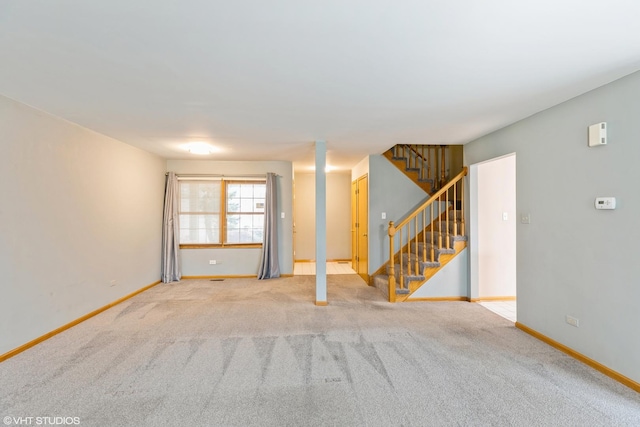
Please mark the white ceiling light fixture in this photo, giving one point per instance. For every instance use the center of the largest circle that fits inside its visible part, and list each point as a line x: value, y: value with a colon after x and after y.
x: 201, y: 148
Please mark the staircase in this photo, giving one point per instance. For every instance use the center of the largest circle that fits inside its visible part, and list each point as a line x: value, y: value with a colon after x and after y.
x: 433, y: 234
x: 428, y: 166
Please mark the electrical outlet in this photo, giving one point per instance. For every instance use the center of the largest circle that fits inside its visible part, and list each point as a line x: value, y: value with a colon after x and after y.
x: 212, y: 262
x: 525, y: 218
x: 573, y: 321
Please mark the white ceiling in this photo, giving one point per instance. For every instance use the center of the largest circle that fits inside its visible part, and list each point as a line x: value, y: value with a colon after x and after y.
x: 263, y: 79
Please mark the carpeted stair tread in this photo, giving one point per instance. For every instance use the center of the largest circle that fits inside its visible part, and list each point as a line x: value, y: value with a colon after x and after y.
x: 429, y: 264
x: 421, y: 263
x: 453, y: 237
x: 405, y: 269
x: 421, y: 247
x: 381, y: 282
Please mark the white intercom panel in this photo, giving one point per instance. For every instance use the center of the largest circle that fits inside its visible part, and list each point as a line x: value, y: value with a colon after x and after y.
x: 605, y: 203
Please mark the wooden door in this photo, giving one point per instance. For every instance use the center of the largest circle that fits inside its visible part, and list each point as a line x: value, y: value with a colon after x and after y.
x: 354, y: 222
x: 360, y: 226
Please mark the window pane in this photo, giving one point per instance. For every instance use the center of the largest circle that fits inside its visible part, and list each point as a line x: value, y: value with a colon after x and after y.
x: 233, y: 235
x: 246, y: 205
x: 200, y: 211
x: 259, y: 190
x: 246, y: 236
x: 233, y: 221
x: 199, y: 196
x: 233, y: 191
x: 243, y: 200
x: 233, y: 205
x: 246, y: 191
x: 246, y: 221
x: 258, y: 205
x: 199, y: 228
x: 245, y: 228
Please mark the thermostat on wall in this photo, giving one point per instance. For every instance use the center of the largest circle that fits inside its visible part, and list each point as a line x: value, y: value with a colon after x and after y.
x: 605, y: 202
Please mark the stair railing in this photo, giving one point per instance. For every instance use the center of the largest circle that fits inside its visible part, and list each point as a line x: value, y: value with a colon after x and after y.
x: 429, y: 160
x: 410, y: 235
x: 421, y: 155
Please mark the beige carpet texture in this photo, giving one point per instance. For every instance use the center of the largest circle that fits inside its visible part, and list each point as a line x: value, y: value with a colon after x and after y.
x: 243, y: 352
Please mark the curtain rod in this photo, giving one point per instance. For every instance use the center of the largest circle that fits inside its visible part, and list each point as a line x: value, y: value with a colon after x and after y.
x: 211, y: 175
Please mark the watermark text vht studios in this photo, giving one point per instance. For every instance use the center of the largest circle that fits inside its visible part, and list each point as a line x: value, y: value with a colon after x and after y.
x: 41, y: 421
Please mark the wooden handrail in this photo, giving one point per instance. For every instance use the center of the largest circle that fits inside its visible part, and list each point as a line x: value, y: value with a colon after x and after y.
x: 432, y: 199
x: 424, y: 159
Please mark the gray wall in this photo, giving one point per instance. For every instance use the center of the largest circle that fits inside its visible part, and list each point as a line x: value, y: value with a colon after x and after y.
x: 338, y: 216
x: 392, y: 192
x: 572, y: 259
x: 450, y: 281
x: 238, y: 261
x: 79, y: 210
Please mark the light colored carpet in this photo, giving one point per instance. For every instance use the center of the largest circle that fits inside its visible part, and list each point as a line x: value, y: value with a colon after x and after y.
x: 260, y: 353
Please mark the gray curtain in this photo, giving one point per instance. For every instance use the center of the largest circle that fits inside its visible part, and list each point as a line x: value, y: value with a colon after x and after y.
x: 269, y: 267
x: 171, y: 232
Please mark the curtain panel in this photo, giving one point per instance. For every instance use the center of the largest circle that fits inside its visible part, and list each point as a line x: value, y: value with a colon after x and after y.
x: 171, y: 271
x: 269, y: 266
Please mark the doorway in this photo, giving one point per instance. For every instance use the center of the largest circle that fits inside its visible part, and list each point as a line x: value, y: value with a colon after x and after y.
x: 493, y: 227
x: 360, y: 226
x: 338, y: 225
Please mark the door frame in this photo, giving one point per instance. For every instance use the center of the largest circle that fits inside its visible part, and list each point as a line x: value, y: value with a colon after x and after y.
x: 475, y: 290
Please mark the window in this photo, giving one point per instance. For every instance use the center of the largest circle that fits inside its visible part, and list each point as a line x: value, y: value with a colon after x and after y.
x: 245, y: 212
x: 200, y: 212
x: 218, y: 212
